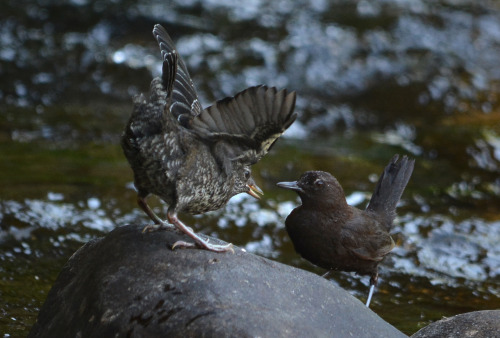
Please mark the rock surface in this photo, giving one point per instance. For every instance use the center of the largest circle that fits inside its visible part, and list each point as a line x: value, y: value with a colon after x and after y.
x: 131, y: 284
x: 478, y: 324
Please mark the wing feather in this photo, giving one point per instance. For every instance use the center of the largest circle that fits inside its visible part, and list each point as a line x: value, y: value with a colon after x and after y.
x: 252, y: 120
x: 185, y: 103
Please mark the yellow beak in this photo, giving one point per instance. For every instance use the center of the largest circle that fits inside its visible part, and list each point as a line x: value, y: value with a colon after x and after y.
x: 254, y: 191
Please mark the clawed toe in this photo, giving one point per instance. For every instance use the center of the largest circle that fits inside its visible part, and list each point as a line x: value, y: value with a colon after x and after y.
x: 156, y: 227
x: 204, y: 245
x: 198, y: 241
x: 182, y: 244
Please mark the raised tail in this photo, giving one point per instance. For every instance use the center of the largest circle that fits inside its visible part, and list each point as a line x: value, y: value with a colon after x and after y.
x: 389, y: 189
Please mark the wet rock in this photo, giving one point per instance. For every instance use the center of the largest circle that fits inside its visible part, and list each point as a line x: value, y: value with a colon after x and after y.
x: 131, y: 284
x: 476, y: 324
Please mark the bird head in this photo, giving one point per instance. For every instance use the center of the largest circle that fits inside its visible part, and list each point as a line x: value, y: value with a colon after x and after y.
x: 244, y: 183
x: 318, y: 187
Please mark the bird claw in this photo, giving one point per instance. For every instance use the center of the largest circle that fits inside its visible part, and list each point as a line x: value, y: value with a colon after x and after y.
x: 182, y: 244
x: 204, y: 245
x: 156, y: 227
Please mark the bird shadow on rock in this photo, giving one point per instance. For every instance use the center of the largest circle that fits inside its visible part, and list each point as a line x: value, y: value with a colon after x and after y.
x: 131, y: 283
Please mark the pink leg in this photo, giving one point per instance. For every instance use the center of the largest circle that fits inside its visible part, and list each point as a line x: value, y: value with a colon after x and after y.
x: 172, y: 219
x: 159, y: 223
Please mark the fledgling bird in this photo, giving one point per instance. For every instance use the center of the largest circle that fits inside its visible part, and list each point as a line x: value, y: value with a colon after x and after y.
x: 331, y: 234
x: 196, y: 159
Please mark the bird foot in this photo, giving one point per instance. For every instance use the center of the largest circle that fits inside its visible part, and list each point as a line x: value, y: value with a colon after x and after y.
x: 157, y: 226
x: 204, y: 245
x: 198, y: 241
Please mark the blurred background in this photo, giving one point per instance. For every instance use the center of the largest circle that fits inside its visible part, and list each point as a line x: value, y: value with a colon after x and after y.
x: 373, y: 78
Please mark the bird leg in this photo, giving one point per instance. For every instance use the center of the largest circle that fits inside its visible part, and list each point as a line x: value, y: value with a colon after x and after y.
x: 373, y: 282
x: 326, y: 274
x: 370, y: 294
x: 159, y: 223
x: 172, y: 219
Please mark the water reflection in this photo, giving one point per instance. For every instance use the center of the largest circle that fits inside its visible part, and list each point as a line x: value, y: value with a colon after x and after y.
x: 53, y: 215
x: 443, y: 250
x: 373, y: 78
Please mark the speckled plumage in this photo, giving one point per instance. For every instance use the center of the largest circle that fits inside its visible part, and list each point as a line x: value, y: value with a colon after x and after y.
x: 196, y: 159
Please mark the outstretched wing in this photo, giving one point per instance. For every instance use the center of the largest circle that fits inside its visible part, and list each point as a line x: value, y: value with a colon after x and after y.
x: 184, y: 101
x: 252, y: 120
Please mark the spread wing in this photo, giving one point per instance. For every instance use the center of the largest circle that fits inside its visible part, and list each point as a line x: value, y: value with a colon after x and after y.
x: 252, y: 120
x: 184, y: 100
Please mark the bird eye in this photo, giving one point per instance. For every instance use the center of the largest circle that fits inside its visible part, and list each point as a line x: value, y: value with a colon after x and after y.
x: 247, y: 174
x: 318, y: 182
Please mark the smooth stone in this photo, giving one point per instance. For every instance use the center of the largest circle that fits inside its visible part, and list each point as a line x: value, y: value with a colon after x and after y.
x: 130, y: 283
x: 477, y: 324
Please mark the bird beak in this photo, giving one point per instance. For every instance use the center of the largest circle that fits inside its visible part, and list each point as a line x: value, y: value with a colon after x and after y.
x: 290, y: 185
x: 254, y: 190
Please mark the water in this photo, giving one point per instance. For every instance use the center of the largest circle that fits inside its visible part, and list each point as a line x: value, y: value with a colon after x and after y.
x: 373, y: 78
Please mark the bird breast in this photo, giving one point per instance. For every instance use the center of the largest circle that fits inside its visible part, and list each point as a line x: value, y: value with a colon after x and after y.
x: 202, y: 185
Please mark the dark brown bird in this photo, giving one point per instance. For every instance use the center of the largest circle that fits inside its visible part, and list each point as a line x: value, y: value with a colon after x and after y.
x: 329, y: 233
x: 196, y: 159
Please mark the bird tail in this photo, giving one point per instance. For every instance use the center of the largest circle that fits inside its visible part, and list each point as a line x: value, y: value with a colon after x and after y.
x: 390, y: 187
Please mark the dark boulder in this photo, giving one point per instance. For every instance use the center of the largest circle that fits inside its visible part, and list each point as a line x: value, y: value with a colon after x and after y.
x: 478, y: 324
x: 130, y: 283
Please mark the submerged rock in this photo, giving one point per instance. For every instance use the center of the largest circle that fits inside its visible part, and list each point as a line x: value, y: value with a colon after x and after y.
x: 478, y: 324
x: 131, y: 283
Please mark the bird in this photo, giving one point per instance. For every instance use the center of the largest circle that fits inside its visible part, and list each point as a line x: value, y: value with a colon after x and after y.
x: 196, y: 159
x: 330, y: 233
